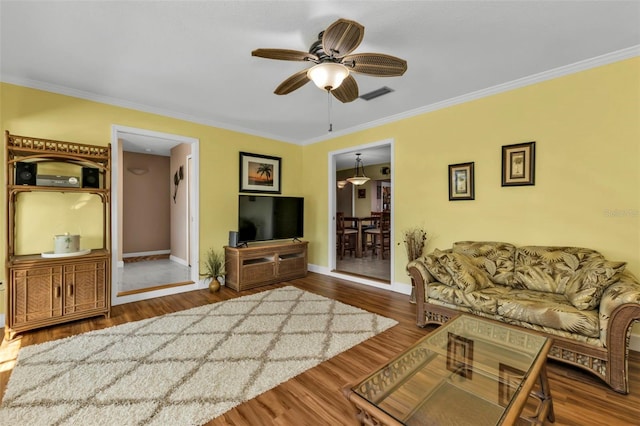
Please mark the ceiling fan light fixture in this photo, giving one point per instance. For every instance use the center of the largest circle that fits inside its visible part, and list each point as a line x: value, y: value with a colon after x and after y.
x: 359, y: 178
x: 328, y: 75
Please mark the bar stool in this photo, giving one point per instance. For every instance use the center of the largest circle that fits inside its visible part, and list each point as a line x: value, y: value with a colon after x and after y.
x: 381, y: 235
x: 367, y: 238
x: 346, y: 237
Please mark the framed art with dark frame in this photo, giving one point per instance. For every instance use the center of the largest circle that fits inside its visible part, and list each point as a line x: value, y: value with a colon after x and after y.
x: 260, y: 173
x: 461, y: 182
x: 519, y: 164
x: 460, y: 355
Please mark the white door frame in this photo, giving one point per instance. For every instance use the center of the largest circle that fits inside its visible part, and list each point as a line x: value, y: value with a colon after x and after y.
x: 332, y: 185
x: 194, y: 201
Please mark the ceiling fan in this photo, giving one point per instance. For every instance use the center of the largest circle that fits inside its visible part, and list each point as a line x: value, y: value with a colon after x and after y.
x: 333, y: 60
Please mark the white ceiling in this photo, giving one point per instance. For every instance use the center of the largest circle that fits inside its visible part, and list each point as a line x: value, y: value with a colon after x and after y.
x: 192, y: 59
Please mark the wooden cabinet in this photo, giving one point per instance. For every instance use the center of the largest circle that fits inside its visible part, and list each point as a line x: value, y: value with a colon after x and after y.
x: 35, y: 295
x: 43, y: 291
x: 262, y: 264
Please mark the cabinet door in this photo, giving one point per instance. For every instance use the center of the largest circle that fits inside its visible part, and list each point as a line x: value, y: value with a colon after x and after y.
x: 36, y: 294
x: 85, y: 286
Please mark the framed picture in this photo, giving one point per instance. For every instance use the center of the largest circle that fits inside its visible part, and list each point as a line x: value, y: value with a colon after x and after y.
x: 260, y: 173
x: 519, y: 164
x: 461, y: 184
x: 509, y: 381
x: 460, y: 355
x: 362, y: 193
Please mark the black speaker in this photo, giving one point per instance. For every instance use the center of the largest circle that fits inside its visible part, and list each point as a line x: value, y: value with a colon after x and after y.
x: 26, y: 173
x: 90, y: 177
x: 233, y: 238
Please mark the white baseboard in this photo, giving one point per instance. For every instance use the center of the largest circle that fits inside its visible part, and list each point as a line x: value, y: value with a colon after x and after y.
x: 178, y: 260
x: 120, y: 264
x: 2, y: 320
x: 145, y: 253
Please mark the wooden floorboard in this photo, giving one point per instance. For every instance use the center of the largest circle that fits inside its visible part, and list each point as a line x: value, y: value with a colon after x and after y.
x: 315, y: 396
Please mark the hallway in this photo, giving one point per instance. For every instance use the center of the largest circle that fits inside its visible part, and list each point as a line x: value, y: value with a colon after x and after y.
x: 138, y: 277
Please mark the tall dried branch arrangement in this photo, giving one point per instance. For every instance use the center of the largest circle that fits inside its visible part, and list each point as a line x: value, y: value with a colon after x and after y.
x: 415, y: 239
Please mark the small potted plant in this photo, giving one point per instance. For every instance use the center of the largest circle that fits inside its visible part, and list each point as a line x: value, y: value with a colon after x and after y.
x: 214, y: 269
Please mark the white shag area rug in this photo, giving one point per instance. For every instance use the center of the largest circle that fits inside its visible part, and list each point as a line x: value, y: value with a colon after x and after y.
x: 184, y: 368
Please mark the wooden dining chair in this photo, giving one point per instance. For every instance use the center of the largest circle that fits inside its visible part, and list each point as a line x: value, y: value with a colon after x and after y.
x: 346, y: 237
x: 381, y: 235
x: 367, y: 239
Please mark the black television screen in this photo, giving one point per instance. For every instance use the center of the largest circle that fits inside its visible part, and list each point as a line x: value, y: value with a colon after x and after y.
x: 262, y: 218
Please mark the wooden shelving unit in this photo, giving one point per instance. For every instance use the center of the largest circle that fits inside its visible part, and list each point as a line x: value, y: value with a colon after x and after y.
x: 47, y: 291
x: 255, y: 266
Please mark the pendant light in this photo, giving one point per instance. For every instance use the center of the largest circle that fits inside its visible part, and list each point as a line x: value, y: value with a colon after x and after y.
x: 359, y: 178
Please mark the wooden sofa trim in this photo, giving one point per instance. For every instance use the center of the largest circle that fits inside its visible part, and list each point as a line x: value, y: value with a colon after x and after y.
x: 609, y: 364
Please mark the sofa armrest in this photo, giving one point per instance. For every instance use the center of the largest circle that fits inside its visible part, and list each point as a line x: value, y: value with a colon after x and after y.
x: 619, y: 309
x: 624, y: 293
x: 419, y: 267
x: 420, y: 277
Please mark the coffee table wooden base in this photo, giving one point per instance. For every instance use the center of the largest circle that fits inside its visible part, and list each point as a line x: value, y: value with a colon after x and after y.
x: 417, y: 385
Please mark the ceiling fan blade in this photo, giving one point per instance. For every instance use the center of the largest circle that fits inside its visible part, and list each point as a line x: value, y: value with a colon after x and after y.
x: 347, y: 91
x: 284, y: 54
x: 342, y: 37
x: 292, y: 83
x: 375, y: 64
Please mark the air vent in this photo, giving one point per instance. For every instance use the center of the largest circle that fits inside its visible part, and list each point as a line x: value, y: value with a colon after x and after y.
x: 376, y: 93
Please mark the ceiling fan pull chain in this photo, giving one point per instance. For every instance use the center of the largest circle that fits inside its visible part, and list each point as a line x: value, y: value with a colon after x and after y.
x: 329, y: 106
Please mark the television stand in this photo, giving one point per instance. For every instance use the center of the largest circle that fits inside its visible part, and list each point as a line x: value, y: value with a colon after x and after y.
x: 266, y: 263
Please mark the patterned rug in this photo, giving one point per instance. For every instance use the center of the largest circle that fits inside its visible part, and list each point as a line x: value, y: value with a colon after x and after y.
x: 184, y: 368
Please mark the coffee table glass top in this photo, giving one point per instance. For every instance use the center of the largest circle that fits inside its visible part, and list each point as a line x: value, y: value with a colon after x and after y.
x: 468, y: 371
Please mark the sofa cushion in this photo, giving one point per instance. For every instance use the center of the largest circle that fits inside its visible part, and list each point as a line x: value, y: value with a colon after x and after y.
x: 495, y: 258
x: 485, y: 300
x: 436, y: 269
x: 549, y: 269
x: 448, y: 294
x: 463, y: 272
x: 584, y: 290
x: 548, y: 310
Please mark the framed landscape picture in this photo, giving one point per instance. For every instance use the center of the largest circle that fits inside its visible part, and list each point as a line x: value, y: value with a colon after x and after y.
x: 260, y: 173
x: 519, y: 164
x: 461, y: 184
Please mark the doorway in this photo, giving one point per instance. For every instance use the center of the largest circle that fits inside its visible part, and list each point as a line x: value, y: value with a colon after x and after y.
x: 166, y: 271
x: 363, y: 264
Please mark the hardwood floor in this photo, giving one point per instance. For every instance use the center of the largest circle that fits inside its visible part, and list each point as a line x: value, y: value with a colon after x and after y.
x: 315, y: 396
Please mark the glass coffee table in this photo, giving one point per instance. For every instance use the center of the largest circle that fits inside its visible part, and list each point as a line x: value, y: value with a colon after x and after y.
x: 469, y: 371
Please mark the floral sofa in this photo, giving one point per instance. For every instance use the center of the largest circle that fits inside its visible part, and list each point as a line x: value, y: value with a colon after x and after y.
x: 586, y: 303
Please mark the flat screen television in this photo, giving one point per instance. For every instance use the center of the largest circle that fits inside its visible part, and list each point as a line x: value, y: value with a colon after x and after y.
x: 262, y: 218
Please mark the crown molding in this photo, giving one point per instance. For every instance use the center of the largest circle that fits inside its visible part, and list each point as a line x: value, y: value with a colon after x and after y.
x: 67, y: 91
x: 609, y: 58
x: 586, y: 64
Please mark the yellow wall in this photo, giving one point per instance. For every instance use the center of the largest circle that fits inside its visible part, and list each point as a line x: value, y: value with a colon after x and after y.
x: 36, y: 113
x: 587, y: 190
